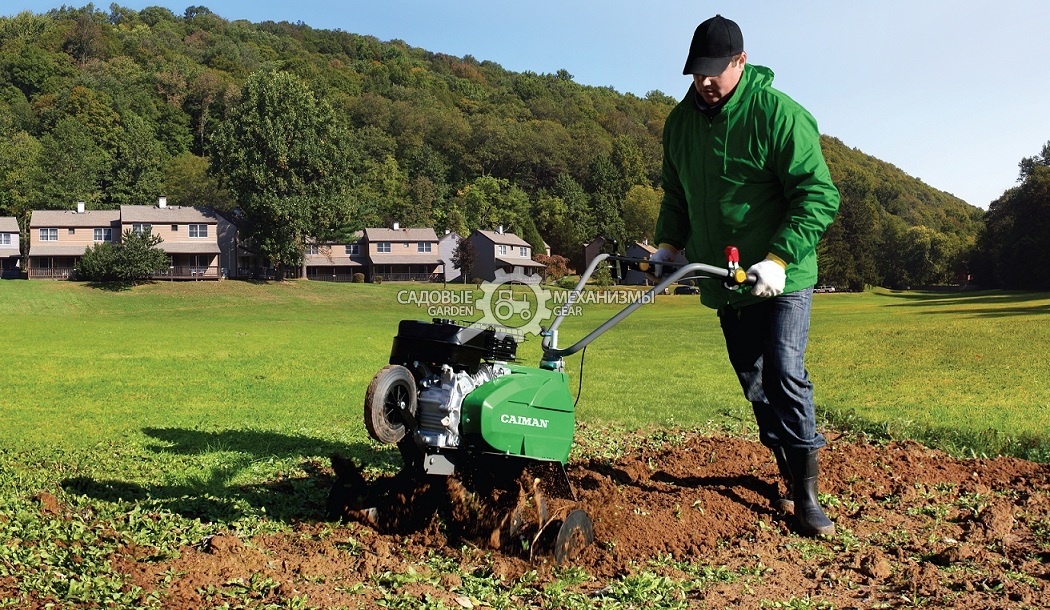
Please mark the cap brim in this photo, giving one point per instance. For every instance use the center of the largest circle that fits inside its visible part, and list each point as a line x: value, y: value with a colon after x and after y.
x: 707, y: 66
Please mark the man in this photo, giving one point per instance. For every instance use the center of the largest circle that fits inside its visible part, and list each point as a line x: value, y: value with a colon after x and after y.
x: 743, y: 166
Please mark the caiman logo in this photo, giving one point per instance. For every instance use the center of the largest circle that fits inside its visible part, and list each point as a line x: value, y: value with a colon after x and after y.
x: 521, y: 420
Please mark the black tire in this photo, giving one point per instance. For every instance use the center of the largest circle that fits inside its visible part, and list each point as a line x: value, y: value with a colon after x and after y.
x: 393, y: 384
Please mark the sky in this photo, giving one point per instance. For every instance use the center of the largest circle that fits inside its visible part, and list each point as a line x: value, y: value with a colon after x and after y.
x: 953, y: 92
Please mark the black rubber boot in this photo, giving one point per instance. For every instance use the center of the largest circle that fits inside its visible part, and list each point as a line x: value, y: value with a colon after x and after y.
x: 811, y: 518
x: 785, y: 502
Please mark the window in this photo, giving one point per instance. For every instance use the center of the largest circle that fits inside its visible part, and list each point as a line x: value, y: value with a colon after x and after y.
x: 198, y: 230
x: 5, y: 239
x: 353, y: 249
x: 103, y: 234
x: 141, y: 228
x: 423, y: 246
x: 72, y: 231
x: 174, y: 228
x: 383, y: 246
x: 311, y: 249
x: 523, y: 252
x: 503, y: 250
x: 48, y: 234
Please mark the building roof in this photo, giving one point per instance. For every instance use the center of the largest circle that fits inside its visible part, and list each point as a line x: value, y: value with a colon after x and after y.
x: 384, y: 234
x: 405, y: 259
x: 170, y: 214
x: 49, y: 250
x: 647, y: 247
x: 70, y: 218
x: 504, y: 239
x: 192, y: 247
x: 8, y: 224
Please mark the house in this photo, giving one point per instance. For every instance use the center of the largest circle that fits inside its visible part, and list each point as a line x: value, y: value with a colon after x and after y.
x: 498, y: 250
x: 10, y: 248
x: 634, y: 277
x: 335, y: 262
x: 58, y: 238
x: 191, y: 237
x: 447, y: 249
x: 400, y: 255
x: 592, y: 249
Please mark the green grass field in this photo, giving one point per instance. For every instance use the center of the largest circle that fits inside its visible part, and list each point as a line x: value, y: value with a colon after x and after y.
x: 169, y: 412
x: 87, y: 365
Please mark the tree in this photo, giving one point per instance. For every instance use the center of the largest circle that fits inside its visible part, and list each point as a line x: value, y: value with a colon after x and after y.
x: 98, y: 264
x: 1016, y: 233
x: 72, y: 167
x: 1028, y: 164
x: 187, y: 182
x: 136, y: 170
x: 19, y: 174
x: 641, y: 207
x: 281, y: 155
x: 564, y: 216
x: 606, y: 197
x: 464, y: 258
x: 134, y: 259
x: 138, y: 256
x: 555, y: 267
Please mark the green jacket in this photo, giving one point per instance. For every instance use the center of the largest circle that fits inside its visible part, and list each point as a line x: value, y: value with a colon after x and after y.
x: 753, y: 177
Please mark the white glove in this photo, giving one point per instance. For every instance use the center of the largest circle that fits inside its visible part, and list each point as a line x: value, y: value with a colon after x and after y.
x: 771, y: 277
x: 663, y: 255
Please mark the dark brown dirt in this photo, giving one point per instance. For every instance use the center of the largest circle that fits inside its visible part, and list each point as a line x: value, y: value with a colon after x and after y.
x: 915, y: 527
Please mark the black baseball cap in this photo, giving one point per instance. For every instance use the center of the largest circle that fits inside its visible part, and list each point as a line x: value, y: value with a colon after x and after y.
x: 715, y: 42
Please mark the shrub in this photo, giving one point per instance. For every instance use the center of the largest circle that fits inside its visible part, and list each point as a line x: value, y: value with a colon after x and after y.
x: 135, y: 258
x: 566, y: 282
x: 138, y: 256
x: 555, y: 266
x: 358, y: 278
x: 377, y: 279
x: 97, y: 264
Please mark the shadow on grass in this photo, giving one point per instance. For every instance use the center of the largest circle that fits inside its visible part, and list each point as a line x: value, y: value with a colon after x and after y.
x: 114, y: 286
x: 300, y: 495
x: 984, y: 303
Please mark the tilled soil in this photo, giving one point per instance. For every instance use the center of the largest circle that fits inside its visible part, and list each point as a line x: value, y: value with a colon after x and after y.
x: 916, y: 527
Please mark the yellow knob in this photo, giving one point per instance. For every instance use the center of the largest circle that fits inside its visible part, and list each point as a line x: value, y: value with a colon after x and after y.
x: 740, y: 275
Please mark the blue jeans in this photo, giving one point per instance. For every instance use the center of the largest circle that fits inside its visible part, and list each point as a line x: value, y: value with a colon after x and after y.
x: 767, y: 347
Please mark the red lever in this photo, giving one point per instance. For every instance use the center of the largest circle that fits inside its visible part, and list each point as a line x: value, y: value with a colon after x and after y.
x: 732, y: 254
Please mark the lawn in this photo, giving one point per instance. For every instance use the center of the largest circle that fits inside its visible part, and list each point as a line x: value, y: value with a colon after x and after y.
x: 166, y: 413
x: 88, y: 365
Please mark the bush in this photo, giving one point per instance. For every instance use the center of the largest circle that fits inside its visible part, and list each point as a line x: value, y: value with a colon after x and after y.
x: 566, y: 282
x: 377, y: 279
x: 98, y: 263
x: 135, y: 258
x: 555, y: 267
x: 138, y: 256
x: 358, y: 278
x: 602, y: 276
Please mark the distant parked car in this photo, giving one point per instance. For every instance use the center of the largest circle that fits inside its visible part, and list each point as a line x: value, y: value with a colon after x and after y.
x: 824, y: 288
x: 684, y: 289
